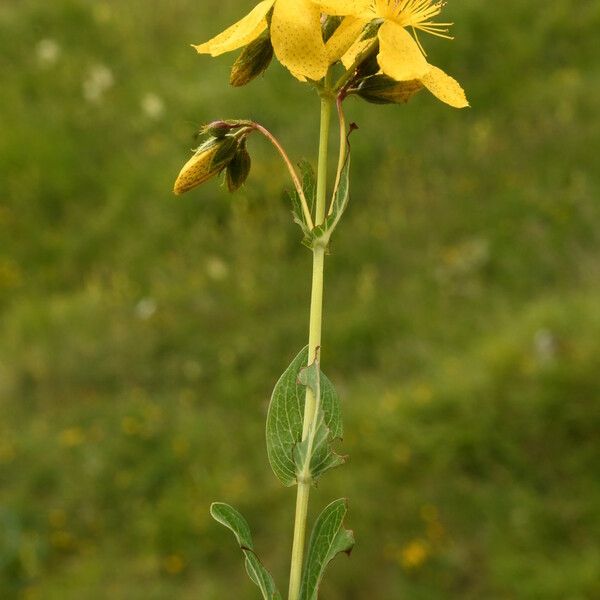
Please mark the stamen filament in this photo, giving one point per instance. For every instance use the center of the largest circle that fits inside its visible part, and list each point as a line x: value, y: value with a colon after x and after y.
x: 417, y: 15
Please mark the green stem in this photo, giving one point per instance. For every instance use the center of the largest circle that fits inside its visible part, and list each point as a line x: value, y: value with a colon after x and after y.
x: 343, y: 149
x: 314, y: 342
x: 286, y: 159
x: 326, y: 103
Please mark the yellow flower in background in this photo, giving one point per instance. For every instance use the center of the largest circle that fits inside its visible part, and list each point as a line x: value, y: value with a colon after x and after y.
x: 295, y: 29
x: 414, y: 554
x: 401, y: 55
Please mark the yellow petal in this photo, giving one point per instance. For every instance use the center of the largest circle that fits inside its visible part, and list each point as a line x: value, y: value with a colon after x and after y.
x: 239, y: 34
x: 444, y: 87
x: 344, y: 7
x: 344, y: 37
x: 399, y: 55
x: 297, y: 39
x: 383, y: 8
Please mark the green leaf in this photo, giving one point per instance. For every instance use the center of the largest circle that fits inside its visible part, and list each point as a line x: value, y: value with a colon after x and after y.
x: 234, y: 521
x: 298, y: 214
x: 314, y: 455
x: 286, y: 414
x: 309, y: 186
x: 328, y: 539
x: 321, y: 235
x: 309, y: 182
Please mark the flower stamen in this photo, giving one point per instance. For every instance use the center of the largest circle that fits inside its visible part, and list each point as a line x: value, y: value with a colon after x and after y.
x: 418, y: 14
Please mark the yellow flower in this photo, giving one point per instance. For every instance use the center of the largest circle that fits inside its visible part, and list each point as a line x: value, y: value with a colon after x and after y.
x: 401, y: 55
x: 295, y: 29
x: 414, y: 554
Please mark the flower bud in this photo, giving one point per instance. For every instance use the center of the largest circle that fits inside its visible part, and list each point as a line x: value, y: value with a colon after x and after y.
x: 329, y: 26
x: 209, y: 160
x: 369, y: 65
x: 381, y: 89
x: 254, y: 60
x: 218, y: 129
x: 239, y: 168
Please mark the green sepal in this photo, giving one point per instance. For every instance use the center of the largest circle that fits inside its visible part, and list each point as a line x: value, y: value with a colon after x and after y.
x: 220, y: 128
x: 286, y: 414
x: 226, y: 151
x: 239, y: 168
x: 328, y: 538
x: 235, y: 522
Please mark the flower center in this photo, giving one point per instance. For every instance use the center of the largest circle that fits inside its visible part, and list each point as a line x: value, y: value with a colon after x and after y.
x: 417, y: 14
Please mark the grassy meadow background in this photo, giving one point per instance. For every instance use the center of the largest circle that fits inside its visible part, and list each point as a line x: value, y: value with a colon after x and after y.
x: 141, y: 334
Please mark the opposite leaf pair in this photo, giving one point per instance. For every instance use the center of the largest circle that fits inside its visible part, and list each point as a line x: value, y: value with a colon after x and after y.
x: 329, y: 538
x: 293, y: 459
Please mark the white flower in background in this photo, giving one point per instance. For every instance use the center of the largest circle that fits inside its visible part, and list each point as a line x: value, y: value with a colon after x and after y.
x: 216, y: 268
x: 153, y: 106
x: 98, y: 81
x: 47, y: 52
x: 145, y: 308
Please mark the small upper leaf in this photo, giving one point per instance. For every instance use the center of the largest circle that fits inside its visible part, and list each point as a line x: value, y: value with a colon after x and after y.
x: 309, y: 186
x: 321, y: 235
x: 328, y: 538
x: 309, y: 182
x: 234, y: 521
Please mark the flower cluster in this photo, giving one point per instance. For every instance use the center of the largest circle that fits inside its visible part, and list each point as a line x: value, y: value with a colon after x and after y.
x: 373, y: 44
x: 224, y: 149
x: 293, y: 30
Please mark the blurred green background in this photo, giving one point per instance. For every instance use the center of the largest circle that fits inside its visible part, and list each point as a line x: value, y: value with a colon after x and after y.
x: 141, y: 334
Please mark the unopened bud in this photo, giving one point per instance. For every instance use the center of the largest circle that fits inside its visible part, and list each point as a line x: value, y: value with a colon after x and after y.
x: 218, y: 129
x: 369, y: 65
x: 381, y: 89
x: 209, y: 160
x: 254, y: 60
x: 238, y: 169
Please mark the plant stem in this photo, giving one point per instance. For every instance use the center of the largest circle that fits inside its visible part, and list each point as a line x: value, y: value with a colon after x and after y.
x: 314, y: 342
x: 343, y: 148
x: 286, y: 159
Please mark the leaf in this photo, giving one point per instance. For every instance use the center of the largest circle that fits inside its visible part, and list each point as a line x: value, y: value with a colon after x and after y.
x: 313, y: 456
x: 234, y: 521
x: 321, y: 235
x: 322, y: 457
x: 298, y: 213
x: 286, y: 415
x: 308, y: 181
x: 328, y: 539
